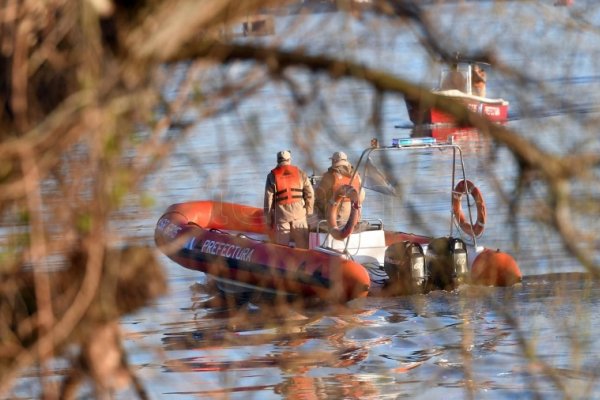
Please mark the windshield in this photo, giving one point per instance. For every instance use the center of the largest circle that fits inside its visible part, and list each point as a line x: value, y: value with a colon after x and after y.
x: 398, y: 179
x: 456, y: 77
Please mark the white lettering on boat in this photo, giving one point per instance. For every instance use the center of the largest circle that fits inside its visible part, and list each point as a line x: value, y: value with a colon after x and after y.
x: 168, y: 229
x: 227, y: 250
x: 485, y: 109
x: 492, y: 111
x: 472, y: 107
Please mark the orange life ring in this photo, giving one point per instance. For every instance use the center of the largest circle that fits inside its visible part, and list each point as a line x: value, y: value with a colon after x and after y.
x: 462, y: 221
x: 337, y: 232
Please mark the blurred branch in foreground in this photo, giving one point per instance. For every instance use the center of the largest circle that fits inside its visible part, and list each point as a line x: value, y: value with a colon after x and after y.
x: 80, y: 86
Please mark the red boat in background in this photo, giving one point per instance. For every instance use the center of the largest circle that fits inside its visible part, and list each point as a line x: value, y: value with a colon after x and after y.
x: 565, y: 3
x: 461, y: 76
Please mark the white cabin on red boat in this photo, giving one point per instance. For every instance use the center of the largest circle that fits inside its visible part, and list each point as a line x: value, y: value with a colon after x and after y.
x: 457, y: 82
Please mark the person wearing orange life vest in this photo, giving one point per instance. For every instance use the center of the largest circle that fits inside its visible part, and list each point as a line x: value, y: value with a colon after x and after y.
x: 289, y: 199
x: 340, y: 173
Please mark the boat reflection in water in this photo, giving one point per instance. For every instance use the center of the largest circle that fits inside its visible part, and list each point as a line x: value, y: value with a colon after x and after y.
x: 398, y: 346
x: 226, y: 339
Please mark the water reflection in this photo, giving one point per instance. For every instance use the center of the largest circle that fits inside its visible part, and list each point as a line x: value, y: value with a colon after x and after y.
x: 339, y: 386
x: 374, y: 337
x: 220, y: 321
x: 416, y: 346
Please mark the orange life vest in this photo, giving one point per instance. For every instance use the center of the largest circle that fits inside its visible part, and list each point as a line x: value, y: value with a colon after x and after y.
x: 288, y: 184
x: 341, y: 180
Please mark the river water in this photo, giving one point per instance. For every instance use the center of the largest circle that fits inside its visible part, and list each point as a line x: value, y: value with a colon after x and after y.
x: 534, y: 340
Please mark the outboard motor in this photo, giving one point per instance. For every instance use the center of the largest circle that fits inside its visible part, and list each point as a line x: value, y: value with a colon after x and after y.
x: 404, y: 264
x: 446, y: 262
x: 460, y: 264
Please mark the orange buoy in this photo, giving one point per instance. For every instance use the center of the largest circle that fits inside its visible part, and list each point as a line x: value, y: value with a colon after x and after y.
x: 495, y: 268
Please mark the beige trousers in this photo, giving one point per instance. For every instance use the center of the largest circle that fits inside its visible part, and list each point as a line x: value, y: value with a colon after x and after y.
x: 296, y: 231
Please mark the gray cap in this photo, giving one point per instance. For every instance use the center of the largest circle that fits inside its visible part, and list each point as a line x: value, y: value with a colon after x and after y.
x: 339, y: 158
x: 284, y: 156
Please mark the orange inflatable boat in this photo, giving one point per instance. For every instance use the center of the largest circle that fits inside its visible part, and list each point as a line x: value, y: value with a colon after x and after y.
x: 213, y: 237
x: 231, y: 243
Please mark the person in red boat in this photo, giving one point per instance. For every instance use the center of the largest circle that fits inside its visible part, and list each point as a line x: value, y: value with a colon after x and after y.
x: 337, y: 175
x: 289, y: 199
x: 478, y: 79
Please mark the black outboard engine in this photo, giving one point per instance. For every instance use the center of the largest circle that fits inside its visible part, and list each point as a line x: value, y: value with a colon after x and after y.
x: 404, y: 264
x: 446, y: 262
x: 460, y: 264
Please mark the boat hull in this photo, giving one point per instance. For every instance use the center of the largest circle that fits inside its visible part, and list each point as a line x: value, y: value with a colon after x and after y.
x: 215, y: 238
x: 256, y: 264
x: 421, y: 113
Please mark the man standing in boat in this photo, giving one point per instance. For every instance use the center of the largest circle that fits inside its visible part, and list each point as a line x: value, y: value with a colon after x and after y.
x: 339, y: 174
x: 289, y: 198
x: 478, y: 80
